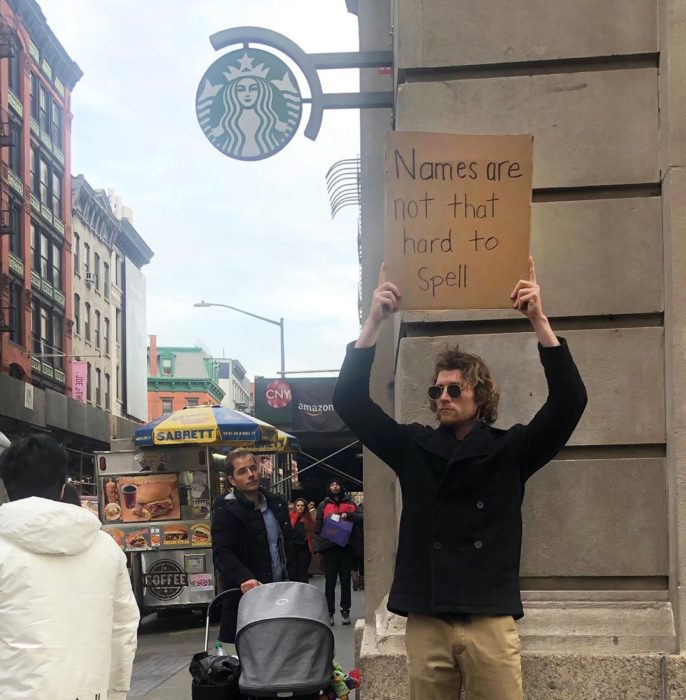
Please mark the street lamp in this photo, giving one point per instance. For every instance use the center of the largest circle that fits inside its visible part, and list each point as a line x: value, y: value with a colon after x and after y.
x: 204, y: 304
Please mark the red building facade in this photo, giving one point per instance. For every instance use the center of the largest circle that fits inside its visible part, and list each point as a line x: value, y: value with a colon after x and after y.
x: 36, y: 79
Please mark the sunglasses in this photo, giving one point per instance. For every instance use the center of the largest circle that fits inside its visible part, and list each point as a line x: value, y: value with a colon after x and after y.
x: 435, y: 392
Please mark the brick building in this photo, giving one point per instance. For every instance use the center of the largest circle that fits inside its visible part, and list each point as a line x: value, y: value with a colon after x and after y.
x: 179, y: 377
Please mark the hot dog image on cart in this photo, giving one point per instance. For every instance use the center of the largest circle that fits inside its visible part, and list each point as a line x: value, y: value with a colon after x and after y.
x: 156, y: 498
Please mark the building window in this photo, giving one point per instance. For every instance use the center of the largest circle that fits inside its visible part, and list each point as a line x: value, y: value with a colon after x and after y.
x: 166, y: 366
x: 56, y: 127
x: 77, y: 314
x: 107, y: 393
x: 166, y: 405
x: 77, y: 254
x: 34, y: 96
x: 97, y: 329
x: 86, y: 258
x: 87, y: 322
x: 96, y: 270
x: 46, y: 183
x: 118, y: 378
x: 98, y: 395
x: 42, y: 332
x: 43, y: 192
x: 56, y: 194
x: 107, y: 336
x: 15, y: 313
x: 42, y: 264
x: 117, y: 328
x: 43, y: 108
x: 14, y: 72
x: 191, y: 401
x: 117, y: 280
x: 15, y: 237
x: 106, y: 280
x: 56, y: 276
x: 47, y: 256
x: 16, y: 148
x: 89, y: 376
x: 57, y: 344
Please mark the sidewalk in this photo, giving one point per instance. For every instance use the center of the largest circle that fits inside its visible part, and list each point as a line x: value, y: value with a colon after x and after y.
x: 166, y: 654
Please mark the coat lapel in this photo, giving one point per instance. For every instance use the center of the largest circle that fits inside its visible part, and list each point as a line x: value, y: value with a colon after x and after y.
x: 442, y: 443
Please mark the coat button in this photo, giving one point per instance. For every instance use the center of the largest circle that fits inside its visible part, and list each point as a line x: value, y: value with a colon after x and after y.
x: 479, y: 504
x: 478, y: 544
x: 437, y: 545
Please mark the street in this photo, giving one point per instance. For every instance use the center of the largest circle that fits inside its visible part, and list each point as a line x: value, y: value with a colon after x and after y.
x: 166, y: 644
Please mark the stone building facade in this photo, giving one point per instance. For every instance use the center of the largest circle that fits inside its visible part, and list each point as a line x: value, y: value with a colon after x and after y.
x: 600, y: 86
x: 102, y: 242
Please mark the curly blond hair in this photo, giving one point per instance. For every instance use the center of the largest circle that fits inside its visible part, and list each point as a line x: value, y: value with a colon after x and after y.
x: 475, y: 375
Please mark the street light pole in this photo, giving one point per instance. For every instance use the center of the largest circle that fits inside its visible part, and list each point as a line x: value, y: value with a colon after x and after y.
x: 204, y: 304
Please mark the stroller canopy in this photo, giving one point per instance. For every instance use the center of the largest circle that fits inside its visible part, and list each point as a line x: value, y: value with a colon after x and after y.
x: 284, y: 640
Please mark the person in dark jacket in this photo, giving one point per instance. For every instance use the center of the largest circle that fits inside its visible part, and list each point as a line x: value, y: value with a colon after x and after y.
x: 251, y: 535
x: 303, y: 534
x: 338, y: 561
x: 459, y: 544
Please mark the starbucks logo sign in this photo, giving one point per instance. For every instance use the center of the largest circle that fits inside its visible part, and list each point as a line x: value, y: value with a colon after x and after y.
x: 248, y: 104
x: 165, y: 579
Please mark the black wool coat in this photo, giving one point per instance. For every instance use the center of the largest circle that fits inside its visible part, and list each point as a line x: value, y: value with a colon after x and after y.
x: 460, y: 533
x: 241, y: 548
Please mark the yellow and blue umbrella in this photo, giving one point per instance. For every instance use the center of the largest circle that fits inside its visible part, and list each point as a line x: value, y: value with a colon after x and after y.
x: 206, y: 425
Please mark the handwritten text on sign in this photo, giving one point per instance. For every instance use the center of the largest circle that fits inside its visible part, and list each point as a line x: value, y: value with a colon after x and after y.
x: 458, y: 218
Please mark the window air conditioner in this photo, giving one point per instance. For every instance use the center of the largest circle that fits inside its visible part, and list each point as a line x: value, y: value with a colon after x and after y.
x: 90, y: 278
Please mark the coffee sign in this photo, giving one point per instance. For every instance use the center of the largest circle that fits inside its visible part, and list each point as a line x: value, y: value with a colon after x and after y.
x: 458, y: 218
x: 165, y: 579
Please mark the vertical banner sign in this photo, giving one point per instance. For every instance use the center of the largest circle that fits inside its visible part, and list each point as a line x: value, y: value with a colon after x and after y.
x: 458, y: 218
x: 79, y: 381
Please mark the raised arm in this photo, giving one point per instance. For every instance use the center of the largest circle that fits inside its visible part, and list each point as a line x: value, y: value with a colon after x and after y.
x: 368, y: 422
x: 554, y: 423
x: 385, y: 301
x: 526, y: 297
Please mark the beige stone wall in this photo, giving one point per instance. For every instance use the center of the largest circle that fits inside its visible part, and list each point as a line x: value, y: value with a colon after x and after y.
x: 551, y: 69
x: 601, y: 87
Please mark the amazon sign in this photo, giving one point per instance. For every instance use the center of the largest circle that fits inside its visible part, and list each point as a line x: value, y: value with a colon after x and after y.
x: 303, y: 404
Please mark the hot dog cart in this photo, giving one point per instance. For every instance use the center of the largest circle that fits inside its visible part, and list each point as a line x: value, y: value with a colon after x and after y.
x: 155, y: 499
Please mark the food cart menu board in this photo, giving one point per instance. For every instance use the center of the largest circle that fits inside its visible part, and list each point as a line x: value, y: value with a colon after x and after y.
x: 139, y: 499
x: 178, y: 535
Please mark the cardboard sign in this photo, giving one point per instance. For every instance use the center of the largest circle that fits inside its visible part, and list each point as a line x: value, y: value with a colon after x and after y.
x: 458, y: 218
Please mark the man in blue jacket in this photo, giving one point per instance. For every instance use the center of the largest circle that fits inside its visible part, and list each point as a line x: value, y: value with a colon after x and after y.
x: 457, y: 565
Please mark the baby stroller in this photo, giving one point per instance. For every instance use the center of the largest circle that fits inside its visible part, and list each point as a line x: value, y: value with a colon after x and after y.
x: 284, y: 643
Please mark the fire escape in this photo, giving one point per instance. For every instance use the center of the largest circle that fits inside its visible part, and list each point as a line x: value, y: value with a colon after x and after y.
x: 8, y: 49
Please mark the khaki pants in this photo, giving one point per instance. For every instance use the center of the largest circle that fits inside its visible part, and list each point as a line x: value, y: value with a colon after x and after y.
x: 480, y: 652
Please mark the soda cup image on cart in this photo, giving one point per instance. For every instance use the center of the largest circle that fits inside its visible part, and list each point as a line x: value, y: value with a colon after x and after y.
x: 129, y: 491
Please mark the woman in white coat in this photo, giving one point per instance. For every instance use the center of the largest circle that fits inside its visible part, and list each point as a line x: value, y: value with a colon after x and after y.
x: 68, y: 618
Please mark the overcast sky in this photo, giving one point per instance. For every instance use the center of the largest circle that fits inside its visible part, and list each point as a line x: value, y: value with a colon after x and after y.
x: 255, y: 235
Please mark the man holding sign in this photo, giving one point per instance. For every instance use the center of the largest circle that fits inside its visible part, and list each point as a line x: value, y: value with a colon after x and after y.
x: 457, y: 564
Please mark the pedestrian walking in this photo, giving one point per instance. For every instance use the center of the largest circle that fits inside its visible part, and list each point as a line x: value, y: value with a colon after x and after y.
x: 303, y: 534
x: 338, y: 560
x: 457, y: 563
x: 251, y: 535
x: 68, y: 618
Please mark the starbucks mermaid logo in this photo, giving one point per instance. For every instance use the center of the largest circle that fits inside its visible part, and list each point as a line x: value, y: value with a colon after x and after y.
x: 248, y: 104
